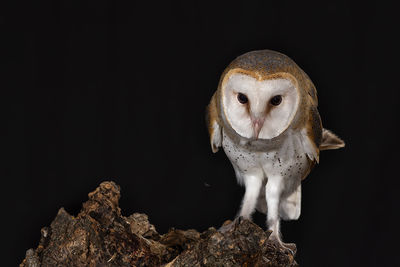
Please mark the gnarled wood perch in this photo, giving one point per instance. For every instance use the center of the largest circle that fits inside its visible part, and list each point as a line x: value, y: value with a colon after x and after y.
x: 101, y: 237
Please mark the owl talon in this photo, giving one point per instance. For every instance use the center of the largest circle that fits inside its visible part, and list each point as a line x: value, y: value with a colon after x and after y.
x: 291, y: 247
x: 287, y: 247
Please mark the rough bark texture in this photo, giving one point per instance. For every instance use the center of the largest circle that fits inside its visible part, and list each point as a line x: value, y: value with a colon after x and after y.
x: 101, y: 237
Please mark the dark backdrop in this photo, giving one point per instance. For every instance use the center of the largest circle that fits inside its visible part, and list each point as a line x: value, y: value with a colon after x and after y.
x: 107, y: 91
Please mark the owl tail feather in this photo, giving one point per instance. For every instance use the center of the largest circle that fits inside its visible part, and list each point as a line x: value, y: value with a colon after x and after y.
x: 330, y: 141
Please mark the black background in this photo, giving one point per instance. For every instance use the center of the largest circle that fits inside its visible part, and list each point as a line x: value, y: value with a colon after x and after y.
x: 108, y: 91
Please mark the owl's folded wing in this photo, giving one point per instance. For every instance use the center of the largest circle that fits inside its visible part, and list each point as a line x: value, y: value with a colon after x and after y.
x: 319, y: 138
x: 312, y: 134
x: 214, y: 129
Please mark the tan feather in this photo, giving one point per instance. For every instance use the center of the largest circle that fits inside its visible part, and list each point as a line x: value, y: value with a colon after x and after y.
x: 214, y: 129
x: 330, y: 141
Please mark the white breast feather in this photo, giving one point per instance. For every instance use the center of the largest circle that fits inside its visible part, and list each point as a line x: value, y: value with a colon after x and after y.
x: 287, y: 159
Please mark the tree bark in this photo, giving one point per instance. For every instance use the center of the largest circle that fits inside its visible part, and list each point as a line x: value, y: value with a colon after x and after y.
x: 101, y: 237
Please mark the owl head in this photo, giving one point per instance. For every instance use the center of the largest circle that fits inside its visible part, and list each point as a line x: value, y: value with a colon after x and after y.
x: 261, y: 93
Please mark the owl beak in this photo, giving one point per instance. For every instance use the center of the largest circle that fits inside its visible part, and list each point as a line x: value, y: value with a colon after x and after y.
x: 257, y: 126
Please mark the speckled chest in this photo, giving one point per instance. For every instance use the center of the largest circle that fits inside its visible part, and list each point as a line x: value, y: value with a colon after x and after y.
x: 285, y: 157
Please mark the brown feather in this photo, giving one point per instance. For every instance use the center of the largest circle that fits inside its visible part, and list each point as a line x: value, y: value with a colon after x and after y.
x: 307, y: 172
x: 330, y: 141
x: 314, y: 127
x: 211, y: 119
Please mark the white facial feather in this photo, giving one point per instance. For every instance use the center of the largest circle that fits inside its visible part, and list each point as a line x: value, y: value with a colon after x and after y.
x: 259, y: 93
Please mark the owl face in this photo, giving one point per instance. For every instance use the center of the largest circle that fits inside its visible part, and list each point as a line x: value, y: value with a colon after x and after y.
x: 259, y: 108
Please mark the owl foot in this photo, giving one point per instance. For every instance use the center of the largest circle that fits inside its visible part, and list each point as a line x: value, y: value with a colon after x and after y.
x: 286, y: 247
x: 230, y: 225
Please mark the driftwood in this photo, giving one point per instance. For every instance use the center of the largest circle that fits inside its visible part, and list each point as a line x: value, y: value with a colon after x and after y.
x: 100, y: 236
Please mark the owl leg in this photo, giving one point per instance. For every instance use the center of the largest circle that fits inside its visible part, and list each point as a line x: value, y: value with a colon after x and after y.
x: 253, y: 185
x: 273, y: 191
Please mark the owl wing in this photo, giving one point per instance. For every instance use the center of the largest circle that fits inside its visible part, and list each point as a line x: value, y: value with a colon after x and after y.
x: 312, y: 135
x: 311, y: 90
x: 214, y: 128
x: 318, y: 138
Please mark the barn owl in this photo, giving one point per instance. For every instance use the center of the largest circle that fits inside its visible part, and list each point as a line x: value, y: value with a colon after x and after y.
x: 264, y: 115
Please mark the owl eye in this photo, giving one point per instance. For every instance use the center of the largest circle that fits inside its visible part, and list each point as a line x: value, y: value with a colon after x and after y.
x: 242, y: 98
x: 276, y: 100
